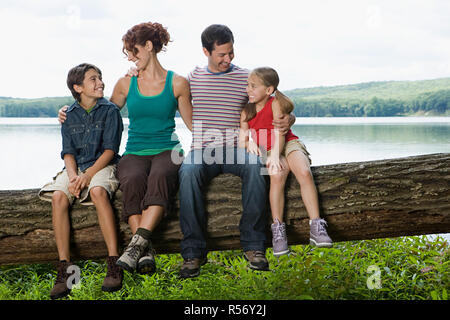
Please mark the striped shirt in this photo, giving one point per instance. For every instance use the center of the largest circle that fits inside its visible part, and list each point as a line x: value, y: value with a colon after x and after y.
x: 218, y: 99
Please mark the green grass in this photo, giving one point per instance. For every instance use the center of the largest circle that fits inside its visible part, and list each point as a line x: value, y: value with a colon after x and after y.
x: 411, y: 268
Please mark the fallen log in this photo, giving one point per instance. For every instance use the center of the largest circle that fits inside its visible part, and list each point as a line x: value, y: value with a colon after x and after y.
x: 360, y: 200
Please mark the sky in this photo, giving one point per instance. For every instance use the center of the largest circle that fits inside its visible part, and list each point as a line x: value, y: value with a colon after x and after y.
x: 309, y: 43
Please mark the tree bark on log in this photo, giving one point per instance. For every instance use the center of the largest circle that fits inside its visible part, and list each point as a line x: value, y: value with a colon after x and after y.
x: 360, y: 200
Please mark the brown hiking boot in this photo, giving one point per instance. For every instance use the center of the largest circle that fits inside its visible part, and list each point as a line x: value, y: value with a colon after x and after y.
x: 191, y: 267
x: 60, y: 289
x: 257, y: 260
x: 114, y: 276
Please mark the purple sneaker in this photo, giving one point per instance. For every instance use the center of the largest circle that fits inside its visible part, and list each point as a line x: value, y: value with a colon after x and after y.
x: 318, y: 235
x: 279, y: 238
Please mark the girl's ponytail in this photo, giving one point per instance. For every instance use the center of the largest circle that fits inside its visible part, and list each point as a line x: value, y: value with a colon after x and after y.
x: 250, y: 111
x: 286, y: 104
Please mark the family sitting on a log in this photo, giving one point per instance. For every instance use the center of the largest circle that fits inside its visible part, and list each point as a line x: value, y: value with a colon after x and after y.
x: 229, y: 105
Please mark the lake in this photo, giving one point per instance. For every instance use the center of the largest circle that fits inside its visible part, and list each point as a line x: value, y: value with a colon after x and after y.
x: 31, y: 146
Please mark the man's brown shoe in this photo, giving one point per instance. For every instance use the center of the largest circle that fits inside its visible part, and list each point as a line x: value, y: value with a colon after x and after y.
x: 114, y: 276
x: 60, y: 288
x: 257, y: 260
x: 191, y: 267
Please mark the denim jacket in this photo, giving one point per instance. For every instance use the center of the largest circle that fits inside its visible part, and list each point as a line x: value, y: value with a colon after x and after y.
x: 87, y: 135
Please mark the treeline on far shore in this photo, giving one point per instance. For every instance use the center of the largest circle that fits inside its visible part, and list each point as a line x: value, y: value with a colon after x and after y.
x: 370, y: 99
x: 434, y: 103
x: 36, y: 108
x: 374, y: 99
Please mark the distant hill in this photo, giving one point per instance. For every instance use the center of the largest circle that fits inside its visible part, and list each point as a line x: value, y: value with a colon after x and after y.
x: 401, y: 90
x: 40, y: 107
x: 383, y: 98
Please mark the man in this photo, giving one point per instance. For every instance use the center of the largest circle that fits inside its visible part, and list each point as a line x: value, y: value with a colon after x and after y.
x: 218, y: 95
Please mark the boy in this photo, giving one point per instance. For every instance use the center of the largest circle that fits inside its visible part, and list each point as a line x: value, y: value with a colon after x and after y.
x: 91, y: 137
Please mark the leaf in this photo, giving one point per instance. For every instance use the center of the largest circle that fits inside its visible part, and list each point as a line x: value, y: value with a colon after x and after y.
x: 434, y: 295
x: 412, y: 259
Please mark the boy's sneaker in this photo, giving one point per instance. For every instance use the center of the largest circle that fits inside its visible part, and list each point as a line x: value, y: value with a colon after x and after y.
x: 257, y: 260
x: 114, y: 276
x: 318, y: 235
x: 146, y: 264
x: 191, y: 267
x: 60, y: 288
x: 279, y: 238
x: 129, y: 259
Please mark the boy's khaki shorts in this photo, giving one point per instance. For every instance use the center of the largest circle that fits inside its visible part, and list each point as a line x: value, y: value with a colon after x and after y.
x: 105, y: 178
x: 294, y: 145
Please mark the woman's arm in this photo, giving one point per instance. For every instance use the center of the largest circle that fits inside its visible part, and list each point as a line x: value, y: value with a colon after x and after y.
x: 120, y: 92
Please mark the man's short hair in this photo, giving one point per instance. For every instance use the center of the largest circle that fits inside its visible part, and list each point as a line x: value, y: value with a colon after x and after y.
x: 216, y: 34
x: 76, y: 76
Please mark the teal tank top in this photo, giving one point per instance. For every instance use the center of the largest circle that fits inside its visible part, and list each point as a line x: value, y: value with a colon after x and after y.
x: 152, y: 120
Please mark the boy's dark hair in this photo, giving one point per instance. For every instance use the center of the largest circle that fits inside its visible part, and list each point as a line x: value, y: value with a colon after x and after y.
x: 216, y: 34
x: 76, y: 76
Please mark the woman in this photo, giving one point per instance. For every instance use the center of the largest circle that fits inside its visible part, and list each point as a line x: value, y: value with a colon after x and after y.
x: 148, y: 176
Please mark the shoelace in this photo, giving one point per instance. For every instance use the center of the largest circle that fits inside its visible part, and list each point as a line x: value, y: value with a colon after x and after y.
x: 279, y: 232
x: 112, y: 269
x: 321, y: 226
x: 134, y: 251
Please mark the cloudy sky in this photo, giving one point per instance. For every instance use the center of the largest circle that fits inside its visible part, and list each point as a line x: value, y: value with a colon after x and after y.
x: 310, y: 43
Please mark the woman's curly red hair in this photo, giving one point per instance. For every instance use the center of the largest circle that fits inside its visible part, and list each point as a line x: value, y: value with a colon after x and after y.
x: 143, y: 32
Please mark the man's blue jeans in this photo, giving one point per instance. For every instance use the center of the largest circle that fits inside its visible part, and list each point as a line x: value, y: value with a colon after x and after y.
x: 197, y: 170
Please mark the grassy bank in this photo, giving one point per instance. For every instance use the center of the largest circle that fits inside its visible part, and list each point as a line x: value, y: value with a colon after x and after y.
x: 407, y: 267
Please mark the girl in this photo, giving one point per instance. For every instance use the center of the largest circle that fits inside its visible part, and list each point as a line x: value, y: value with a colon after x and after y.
x: 284, y: 153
